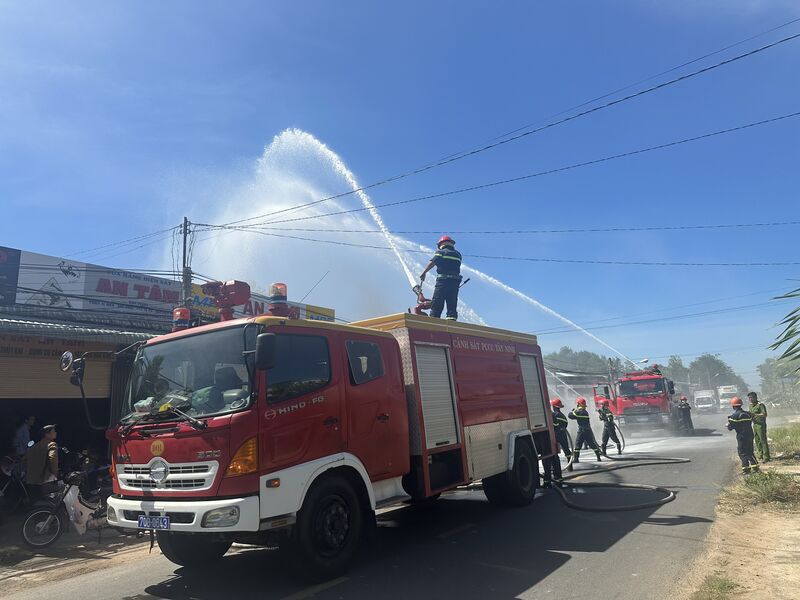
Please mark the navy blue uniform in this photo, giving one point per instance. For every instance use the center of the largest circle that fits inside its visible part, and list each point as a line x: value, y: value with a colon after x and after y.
x: 552, y: 469
x: 741, y: 422
x: 448, y: 279
x: 585, y: 434
x: 609, y: 431
x: 685, y: 416
x: 560, y: 425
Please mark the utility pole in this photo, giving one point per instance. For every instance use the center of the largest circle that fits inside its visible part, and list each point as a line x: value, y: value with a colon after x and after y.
x: 187, y: 270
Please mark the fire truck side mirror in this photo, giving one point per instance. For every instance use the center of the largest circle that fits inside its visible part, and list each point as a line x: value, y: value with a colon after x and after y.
x: 66, y: 361
x: 671, y: 386
x: 265, y: 351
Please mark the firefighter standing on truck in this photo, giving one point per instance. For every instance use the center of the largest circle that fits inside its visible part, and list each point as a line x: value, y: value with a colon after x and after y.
x: 759, y: 412
x: 741, y: 422
x: 609, y: 429
x: 447, y: 261
x: 585, y: 434
x: 560, y: 426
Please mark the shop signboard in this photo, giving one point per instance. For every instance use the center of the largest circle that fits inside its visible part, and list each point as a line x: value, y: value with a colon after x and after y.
x: 258, y: 305
x: 115, y: 290
x: 50, y: 282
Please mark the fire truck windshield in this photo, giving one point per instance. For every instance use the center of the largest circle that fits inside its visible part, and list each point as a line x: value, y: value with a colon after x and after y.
x: 199, y: 375
x: 640, y: 387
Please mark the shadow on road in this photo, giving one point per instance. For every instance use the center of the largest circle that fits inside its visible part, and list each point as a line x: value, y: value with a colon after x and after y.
x: 460, y: 547
x: 703, y: 432
x: 673, y: 520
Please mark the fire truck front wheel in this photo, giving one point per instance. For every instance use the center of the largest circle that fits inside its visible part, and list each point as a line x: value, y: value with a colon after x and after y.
x: 516, y: 487
x: 329, y: 528
x: 191, y: 550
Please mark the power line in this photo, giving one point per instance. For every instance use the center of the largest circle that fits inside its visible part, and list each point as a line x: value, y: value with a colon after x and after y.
x: 712, y: 352
x: 645, y: 80
x: 524, y: 134
x: 121, y: 242
x: 492, y: 184
x: 666, y: 309
x: 534, y: 231
x: 562, y: 370
x: 313, y: 287
x: 534, y: 259
x: 91, y: 269
x: 672, y: 318
x: 89, y: 297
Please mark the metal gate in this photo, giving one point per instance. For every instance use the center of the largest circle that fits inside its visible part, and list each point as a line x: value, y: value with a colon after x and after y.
x: 533, y: 390
x: 40, y: 378
x: 436, y: 395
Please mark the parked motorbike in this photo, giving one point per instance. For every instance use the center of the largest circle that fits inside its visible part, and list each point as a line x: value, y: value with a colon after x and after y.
x: 71, y: 502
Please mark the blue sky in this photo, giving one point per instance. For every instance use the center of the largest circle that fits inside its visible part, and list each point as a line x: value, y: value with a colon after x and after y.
x: 119, y: 118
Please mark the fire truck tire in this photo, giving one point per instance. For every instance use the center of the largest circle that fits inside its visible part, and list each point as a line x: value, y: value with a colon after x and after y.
x: 329, y: 528
x: 516, y: 487
x: 493, y: 489
x: 190, y: 550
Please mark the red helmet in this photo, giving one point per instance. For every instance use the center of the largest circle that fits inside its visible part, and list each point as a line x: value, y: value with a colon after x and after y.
x: 556, y: 403
x: 736, y: 401
x: 604, y: 402
x: 445, y: 240
x: 581, y: 401
x: 683, y: 397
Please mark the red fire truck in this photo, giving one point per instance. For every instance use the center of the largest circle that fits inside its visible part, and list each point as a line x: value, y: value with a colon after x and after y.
x: 272, y: 429
x: 639, y: 399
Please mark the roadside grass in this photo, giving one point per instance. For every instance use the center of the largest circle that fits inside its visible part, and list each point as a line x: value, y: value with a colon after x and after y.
x: 777, y: 490
x: 784, y: 441
x: 715, y: 587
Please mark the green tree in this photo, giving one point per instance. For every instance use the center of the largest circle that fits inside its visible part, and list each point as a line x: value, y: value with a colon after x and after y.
x: 567, y: 359
x: 790, y: 336
x: 779, y: 380
x: 709, y: 371
x: 675, y: 369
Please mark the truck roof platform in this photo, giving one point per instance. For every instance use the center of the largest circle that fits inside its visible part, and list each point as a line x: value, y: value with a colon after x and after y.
x: 411, y: 321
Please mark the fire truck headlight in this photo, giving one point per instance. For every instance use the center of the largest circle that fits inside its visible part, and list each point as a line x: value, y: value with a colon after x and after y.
x: 221, y: 517
x: 111, y: 515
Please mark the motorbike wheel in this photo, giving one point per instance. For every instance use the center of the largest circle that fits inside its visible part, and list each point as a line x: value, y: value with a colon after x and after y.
x: 41, y: 527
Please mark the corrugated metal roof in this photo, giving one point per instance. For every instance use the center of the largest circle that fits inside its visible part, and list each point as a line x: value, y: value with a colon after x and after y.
x: 111, y: 336
x: 86, y: 318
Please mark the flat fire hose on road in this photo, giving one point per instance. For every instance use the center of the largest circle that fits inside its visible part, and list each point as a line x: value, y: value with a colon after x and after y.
x: 669, y: 495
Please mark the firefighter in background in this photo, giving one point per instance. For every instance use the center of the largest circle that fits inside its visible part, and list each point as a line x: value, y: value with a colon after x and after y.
x: 759, y: 413
x: 609, y: 430
x: 685, y: 415
x: 741, y: 422
x: 585, y: 434
x: 560, y: 426
x: 447, y: 261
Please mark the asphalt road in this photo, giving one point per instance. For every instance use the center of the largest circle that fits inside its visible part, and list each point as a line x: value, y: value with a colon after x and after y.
x: 464, y: 548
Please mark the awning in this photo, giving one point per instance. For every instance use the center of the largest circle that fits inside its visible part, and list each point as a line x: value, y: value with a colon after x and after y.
x: 62, y: 330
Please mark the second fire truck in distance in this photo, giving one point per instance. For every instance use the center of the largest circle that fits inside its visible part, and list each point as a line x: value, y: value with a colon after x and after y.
x: 640, y: 399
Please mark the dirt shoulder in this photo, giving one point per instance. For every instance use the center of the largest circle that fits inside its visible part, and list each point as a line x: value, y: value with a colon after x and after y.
x: 753, y: 547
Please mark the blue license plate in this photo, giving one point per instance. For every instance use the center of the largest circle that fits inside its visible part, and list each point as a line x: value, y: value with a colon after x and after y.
x: 147, y: 522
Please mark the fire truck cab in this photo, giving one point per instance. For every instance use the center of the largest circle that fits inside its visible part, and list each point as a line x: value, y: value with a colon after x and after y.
x: 265, y: 429
x: 640, y: 399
